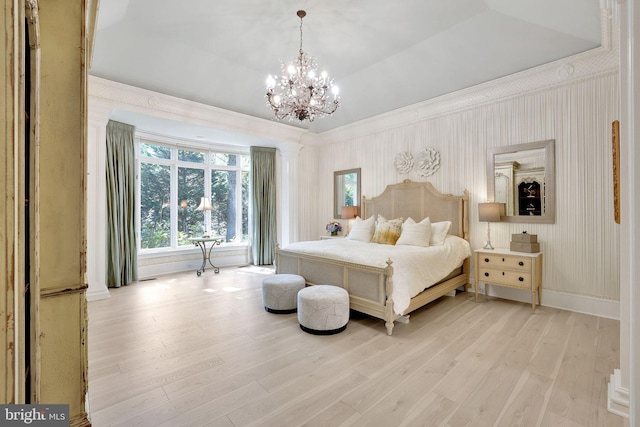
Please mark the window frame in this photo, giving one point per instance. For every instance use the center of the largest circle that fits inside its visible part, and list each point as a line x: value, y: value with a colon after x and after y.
x: 174, y: 164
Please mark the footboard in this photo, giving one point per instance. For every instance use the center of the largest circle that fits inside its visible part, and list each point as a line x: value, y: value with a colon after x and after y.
x: 370, y: 288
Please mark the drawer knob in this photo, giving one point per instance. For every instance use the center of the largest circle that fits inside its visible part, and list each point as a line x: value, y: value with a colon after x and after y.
x: 486, y: 274
x: 521, y: 279
x: 486, y: 260
x: 521, y: 263
x: 503, y: 273
x: 502, y: 259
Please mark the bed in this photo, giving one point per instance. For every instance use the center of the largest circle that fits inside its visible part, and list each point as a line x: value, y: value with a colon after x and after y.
x: 369, y: 279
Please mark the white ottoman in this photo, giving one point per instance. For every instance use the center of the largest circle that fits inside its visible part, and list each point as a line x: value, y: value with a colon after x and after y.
x: 323, y: 309
x: 279, y: 293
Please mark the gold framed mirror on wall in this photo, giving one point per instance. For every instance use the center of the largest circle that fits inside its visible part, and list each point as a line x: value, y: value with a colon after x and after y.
x: 346, y: 190
x: 522, y: 177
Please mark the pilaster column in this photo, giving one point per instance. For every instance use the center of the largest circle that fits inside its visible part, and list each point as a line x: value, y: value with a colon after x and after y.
x: 289, y: 192
x: 98, y: 116
x: 626, y: 378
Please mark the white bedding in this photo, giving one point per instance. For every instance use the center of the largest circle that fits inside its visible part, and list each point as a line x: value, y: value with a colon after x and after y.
x: 415, y: 268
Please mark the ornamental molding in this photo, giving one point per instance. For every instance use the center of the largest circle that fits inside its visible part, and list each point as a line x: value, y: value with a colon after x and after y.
x: 425, y: 163
x: 106, y: 95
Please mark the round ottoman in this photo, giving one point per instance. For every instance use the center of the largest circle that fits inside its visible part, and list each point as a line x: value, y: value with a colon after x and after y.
x: 279, y: 293
x: 323, y: 309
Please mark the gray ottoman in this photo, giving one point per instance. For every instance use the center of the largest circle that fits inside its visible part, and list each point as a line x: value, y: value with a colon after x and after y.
x: 323, y: 309
x: 279, y: 293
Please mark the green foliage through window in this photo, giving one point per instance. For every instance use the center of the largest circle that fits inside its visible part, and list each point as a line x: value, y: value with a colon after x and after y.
x: 172, y: 183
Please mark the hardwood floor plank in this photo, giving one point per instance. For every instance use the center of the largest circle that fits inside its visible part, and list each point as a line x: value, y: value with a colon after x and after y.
x: 336, y: 414
x: 192, y: 351
x: 311, y: 404
x: 526, y: 401
x: 571, y: 396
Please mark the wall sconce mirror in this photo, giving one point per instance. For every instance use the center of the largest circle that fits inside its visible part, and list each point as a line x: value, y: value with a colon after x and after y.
x: 522, y: 177
x: 346, y: 190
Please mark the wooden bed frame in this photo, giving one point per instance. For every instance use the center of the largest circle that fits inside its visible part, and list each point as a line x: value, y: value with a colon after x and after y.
x: 370, y: 288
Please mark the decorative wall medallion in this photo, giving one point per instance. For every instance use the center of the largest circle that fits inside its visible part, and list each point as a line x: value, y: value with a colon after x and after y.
x: 428, y: 162
x: 153, y: 101
x: 566, y: 70
x: 404, y: 162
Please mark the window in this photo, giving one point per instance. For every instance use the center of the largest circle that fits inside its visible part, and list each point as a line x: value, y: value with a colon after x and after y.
x: 172, y: 182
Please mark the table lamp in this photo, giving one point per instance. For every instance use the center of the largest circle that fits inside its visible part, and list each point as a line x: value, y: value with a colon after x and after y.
x: 205, y: 206
x: 348, y: 213
x: 490, y: 212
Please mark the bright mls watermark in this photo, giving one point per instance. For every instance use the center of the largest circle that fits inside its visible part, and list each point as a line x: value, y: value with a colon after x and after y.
x: 34, y: 415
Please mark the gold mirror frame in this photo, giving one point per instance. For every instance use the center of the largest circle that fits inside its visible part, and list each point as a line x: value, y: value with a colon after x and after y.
x: 341, y: 187
x: 548, y: 146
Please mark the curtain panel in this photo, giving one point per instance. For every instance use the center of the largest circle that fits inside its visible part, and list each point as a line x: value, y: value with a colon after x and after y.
x: 122, y: 267
x: 263, y: 184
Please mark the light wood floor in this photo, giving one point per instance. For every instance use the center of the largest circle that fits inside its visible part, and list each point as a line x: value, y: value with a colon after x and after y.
x: 184, y: 350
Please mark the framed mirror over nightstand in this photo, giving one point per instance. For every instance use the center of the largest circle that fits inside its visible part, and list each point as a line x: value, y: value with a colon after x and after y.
x: 346, y: 190
x: 522, y: 176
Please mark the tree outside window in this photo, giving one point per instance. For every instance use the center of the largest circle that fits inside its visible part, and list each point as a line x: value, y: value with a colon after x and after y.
x: 172, y: 181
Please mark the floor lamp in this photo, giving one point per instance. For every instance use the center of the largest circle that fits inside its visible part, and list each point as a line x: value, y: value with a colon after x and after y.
x: 490, y: 212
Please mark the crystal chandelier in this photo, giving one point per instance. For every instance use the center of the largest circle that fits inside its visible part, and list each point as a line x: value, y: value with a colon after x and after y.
x: 301, y: 92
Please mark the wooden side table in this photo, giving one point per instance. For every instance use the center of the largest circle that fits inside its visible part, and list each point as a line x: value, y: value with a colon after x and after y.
x: 328, y: 236
x: 503, y: 267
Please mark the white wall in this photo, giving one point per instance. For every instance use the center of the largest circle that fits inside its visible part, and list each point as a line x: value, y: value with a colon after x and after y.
x: 573, y: 101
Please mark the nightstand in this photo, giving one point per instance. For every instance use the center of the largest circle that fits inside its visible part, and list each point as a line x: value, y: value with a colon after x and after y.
x: 327, y: 237
x: 503, y: 267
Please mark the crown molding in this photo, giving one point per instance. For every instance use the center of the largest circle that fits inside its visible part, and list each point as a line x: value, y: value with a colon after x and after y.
x: 586, y: 65
x: 107, y: 95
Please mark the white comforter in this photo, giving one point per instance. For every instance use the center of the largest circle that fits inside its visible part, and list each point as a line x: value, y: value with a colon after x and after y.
x: 415, y: 268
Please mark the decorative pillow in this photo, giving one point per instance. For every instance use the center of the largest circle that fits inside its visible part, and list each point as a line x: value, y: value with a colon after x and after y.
x: 362, y: 229
x: 439, y: 231
x: 415, y: 234
x: 387, y: 231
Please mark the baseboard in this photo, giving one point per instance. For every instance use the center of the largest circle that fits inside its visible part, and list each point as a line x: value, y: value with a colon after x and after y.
x: 579, y: 303
x: 618, y: 396
x: 97, y: 294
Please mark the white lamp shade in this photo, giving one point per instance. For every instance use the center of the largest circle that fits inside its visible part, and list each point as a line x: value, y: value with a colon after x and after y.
x: 490, y: 212
x: 204, y: 204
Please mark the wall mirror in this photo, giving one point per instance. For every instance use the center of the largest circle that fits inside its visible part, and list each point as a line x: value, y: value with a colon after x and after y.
x: 522, y: 177
x: 346, y: 190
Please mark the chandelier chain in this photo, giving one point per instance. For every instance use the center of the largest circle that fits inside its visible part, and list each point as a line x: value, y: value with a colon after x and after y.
x: 300, y: 35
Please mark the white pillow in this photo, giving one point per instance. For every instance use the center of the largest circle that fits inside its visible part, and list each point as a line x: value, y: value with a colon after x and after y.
x: 439, y: 231
x: 415, y: 234
x: 362, y: 229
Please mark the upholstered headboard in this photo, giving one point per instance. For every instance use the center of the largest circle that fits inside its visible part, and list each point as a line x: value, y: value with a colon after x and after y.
x: 419, y: 200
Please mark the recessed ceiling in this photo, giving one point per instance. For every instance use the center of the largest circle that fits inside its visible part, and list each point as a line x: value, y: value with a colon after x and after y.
x: 383, y: 55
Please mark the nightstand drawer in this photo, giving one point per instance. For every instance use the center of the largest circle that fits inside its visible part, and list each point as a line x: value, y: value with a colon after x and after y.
x: 505, y: 277
x: 504, y: 261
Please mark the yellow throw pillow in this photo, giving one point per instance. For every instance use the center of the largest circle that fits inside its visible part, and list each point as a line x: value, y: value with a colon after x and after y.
x: 387, y: 231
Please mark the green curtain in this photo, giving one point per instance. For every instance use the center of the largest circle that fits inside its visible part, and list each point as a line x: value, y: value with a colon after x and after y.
x: 263, y: 184
x: 122, y: 265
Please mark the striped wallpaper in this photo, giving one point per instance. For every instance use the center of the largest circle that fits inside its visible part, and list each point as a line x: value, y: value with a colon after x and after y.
x: 580, y: 249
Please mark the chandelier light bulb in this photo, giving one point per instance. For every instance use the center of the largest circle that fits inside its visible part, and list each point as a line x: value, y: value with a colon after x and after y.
x: 301, y: 93
x: 335, y: 90
x: 271, y: 83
